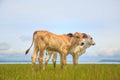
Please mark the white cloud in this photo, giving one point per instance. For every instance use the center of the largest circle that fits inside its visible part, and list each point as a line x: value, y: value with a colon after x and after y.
x: 110, y: 52
x: 4, y: 46
x: 12, y: 51
x: 103, y: 53
x: 6, y: 49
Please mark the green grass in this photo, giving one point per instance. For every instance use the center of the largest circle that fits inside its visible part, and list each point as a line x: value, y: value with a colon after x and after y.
x: 82, y: 72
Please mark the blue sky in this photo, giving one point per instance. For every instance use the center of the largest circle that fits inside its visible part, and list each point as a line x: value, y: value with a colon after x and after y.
x: 99, y: 18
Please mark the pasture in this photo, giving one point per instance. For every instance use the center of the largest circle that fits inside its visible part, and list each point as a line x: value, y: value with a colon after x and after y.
x: 82, y: 72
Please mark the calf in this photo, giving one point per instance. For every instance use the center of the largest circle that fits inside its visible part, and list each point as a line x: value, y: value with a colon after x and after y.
x: 74, y: 51
x: 44, y: 40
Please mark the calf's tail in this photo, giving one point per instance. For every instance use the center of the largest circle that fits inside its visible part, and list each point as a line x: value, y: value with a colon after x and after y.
x: 31, y: 44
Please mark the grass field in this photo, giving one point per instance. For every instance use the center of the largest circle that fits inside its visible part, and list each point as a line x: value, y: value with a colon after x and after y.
x: 82, y: 72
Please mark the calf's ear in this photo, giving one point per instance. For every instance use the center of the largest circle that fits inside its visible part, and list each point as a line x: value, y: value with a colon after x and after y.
x: 70, y: 35
x: 84, y: 35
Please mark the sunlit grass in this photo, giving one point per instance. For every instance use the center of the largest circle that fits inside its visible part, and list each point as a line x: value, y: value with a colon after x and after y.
x: 82, y: 72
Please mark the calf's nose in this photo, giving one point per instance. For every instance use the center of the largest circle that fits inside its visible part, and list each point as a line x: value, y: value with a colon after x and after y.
x: 94, y: 43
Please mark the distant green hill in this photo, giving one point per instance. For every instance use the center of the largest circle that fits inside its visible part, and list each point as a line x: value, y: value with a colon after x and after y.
x: 109, y: 60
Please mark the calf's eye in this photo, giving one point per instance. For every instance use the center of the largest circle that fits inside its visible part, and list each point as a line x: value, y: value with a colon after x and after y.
x: 82, y: 44
x: 77, y: 37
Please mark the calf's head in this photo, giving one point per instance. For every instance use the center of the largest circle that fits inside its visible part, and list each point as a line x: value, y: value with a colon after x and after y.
x: 78, y: 38
x: 87, y: 40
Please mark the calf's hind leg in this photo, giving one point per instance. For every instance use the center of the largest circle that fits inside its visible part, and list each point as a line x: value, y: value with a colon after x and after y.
x: 54, y: 59
x: 33, y: 57
x: 40, y: 59
x: 47, y: 59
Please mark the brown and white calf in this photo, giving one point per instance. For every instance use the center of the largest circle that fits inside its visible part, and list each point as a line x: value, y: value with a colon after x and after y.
x: 74, y: 51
